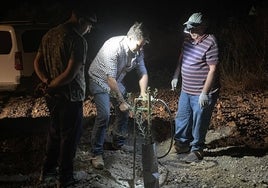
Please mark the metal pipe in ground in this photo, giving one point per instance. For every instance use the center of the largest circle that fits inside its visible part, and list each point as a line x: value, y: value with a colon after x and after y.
x: 150, y: 166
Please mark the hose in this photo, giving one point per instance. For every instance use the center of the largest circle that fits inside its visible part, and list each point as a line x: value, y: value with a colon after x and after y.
x: 172, y: 128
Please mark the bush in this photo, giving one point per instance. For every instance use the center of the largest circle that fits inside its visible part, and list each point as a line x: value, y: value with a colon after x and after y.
x: 242, y: 52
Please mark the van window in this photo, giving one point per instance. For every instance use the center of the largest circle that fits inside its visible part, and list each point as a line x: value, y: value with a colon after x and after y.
x: 5, y: 42
x: 31, y: 40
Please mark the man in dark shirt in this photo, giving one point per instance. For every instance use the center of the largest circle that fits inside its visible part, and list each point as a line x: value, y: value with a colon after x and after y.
x: 60, y: 64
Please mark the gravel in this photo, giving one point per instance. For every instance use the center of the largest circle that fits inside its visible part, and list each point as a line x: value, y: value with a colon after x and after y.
x: 235, y: 156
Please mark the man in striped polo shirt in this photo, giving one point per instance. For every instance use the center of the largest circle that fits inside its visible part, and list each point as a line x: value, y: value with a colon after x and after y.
x: 198, y: 68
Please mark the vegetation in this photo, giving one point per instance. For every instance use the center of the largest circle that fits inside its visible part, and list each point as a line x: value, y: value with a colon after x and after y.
x: 243, y: 45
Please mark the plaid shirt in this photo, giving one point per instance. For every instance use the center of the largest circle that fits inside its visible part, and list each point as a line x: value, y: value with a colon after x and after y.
x: 115, y: 59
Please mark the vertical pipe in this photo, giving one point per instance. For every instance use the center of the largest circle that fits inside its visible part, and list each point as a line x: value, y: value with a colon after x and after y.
x: 150, y: 166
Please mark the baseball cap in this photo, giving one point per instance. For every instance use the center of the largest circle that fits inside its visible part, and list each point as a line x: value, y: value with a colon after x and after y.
x: 194, y: 21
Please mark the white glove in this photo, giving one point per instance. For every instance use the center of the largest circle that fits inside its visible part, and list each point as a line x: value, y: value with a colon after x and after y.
x: 145, y: 98
x: 203, y: 100
x: 174, y: 83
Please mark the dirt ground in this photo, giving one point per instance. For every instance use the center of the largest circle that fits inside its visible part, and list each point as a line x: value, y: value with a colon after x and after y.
x: 235, y: 154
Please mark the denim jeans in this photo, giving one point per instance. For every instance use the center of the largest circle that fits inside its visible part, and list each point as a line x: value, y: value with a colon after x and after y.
x: 192, y: 121
x: 119, y: 128
x: 103, y: 103
x: 64, y: 135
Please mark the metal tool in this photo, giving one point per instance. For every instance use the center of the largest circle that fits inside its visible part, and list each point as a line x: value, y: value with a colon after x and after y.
x: 142, y: 110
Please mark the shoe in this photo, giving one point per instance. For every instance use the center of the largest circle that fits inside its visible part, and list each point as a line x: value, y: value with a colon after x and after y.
x: 67, y: 183
x: 181, y: 148
x: 194, y: 156
x: 97, y: 162
x: 125, y: 148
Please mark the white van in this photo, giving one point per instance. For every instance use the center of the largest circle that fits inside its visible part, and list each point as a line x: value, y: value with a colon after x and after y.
x: 19, y: 42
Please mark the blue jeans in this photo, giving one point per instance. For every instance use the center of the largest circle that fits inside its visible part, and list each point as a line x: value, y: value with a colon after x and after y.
x: 119, y: 129
x: 192, y: 121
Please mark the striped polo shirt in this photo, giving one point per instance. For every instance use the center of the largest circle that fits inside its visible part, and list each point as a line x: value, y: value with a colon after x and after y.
x: 195, y: 64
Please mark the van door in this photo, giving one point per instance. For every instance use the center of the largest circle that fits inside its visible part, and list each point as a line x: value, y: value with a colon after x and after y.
x: 30, y: 41
x: 9, y: 76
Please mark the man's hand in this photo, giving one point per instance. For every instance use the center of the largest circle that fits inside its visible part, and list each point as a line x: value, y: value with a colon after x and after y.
x: 124, y: 106
x: 203, y: 100
x: 40, y: 90
x: 143, y: 96
x: 174, y: 83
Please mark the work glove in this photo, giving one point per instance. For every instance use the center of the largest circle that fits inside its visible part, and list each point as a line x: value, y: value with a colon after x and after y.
x: 174, y: 83
x: 145, y: 98
x: 203, y: 100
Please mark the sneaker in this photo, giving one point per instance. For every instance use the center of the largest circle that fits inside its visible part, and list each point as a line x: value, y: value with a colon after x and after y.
x: 194, y: 156
x: 97, y: 162
x: 181, y: 148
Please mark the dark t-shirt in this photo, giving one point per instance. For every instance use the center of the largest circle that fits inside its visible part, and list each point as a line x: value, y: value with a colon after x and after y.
x: 57, y: 46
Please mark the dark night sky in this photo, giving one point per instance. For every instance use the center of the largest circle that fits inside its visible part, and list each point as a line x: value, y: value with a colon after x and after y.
x: 115, y: 17
x: 120, y: 14
x: 160, y: 9
x: 164, y: 18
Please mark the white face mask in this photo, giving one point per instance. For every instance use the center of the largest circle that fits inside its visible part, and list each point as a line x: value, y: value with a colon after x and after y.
x: 88, y: 28
x: 85, y: 26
